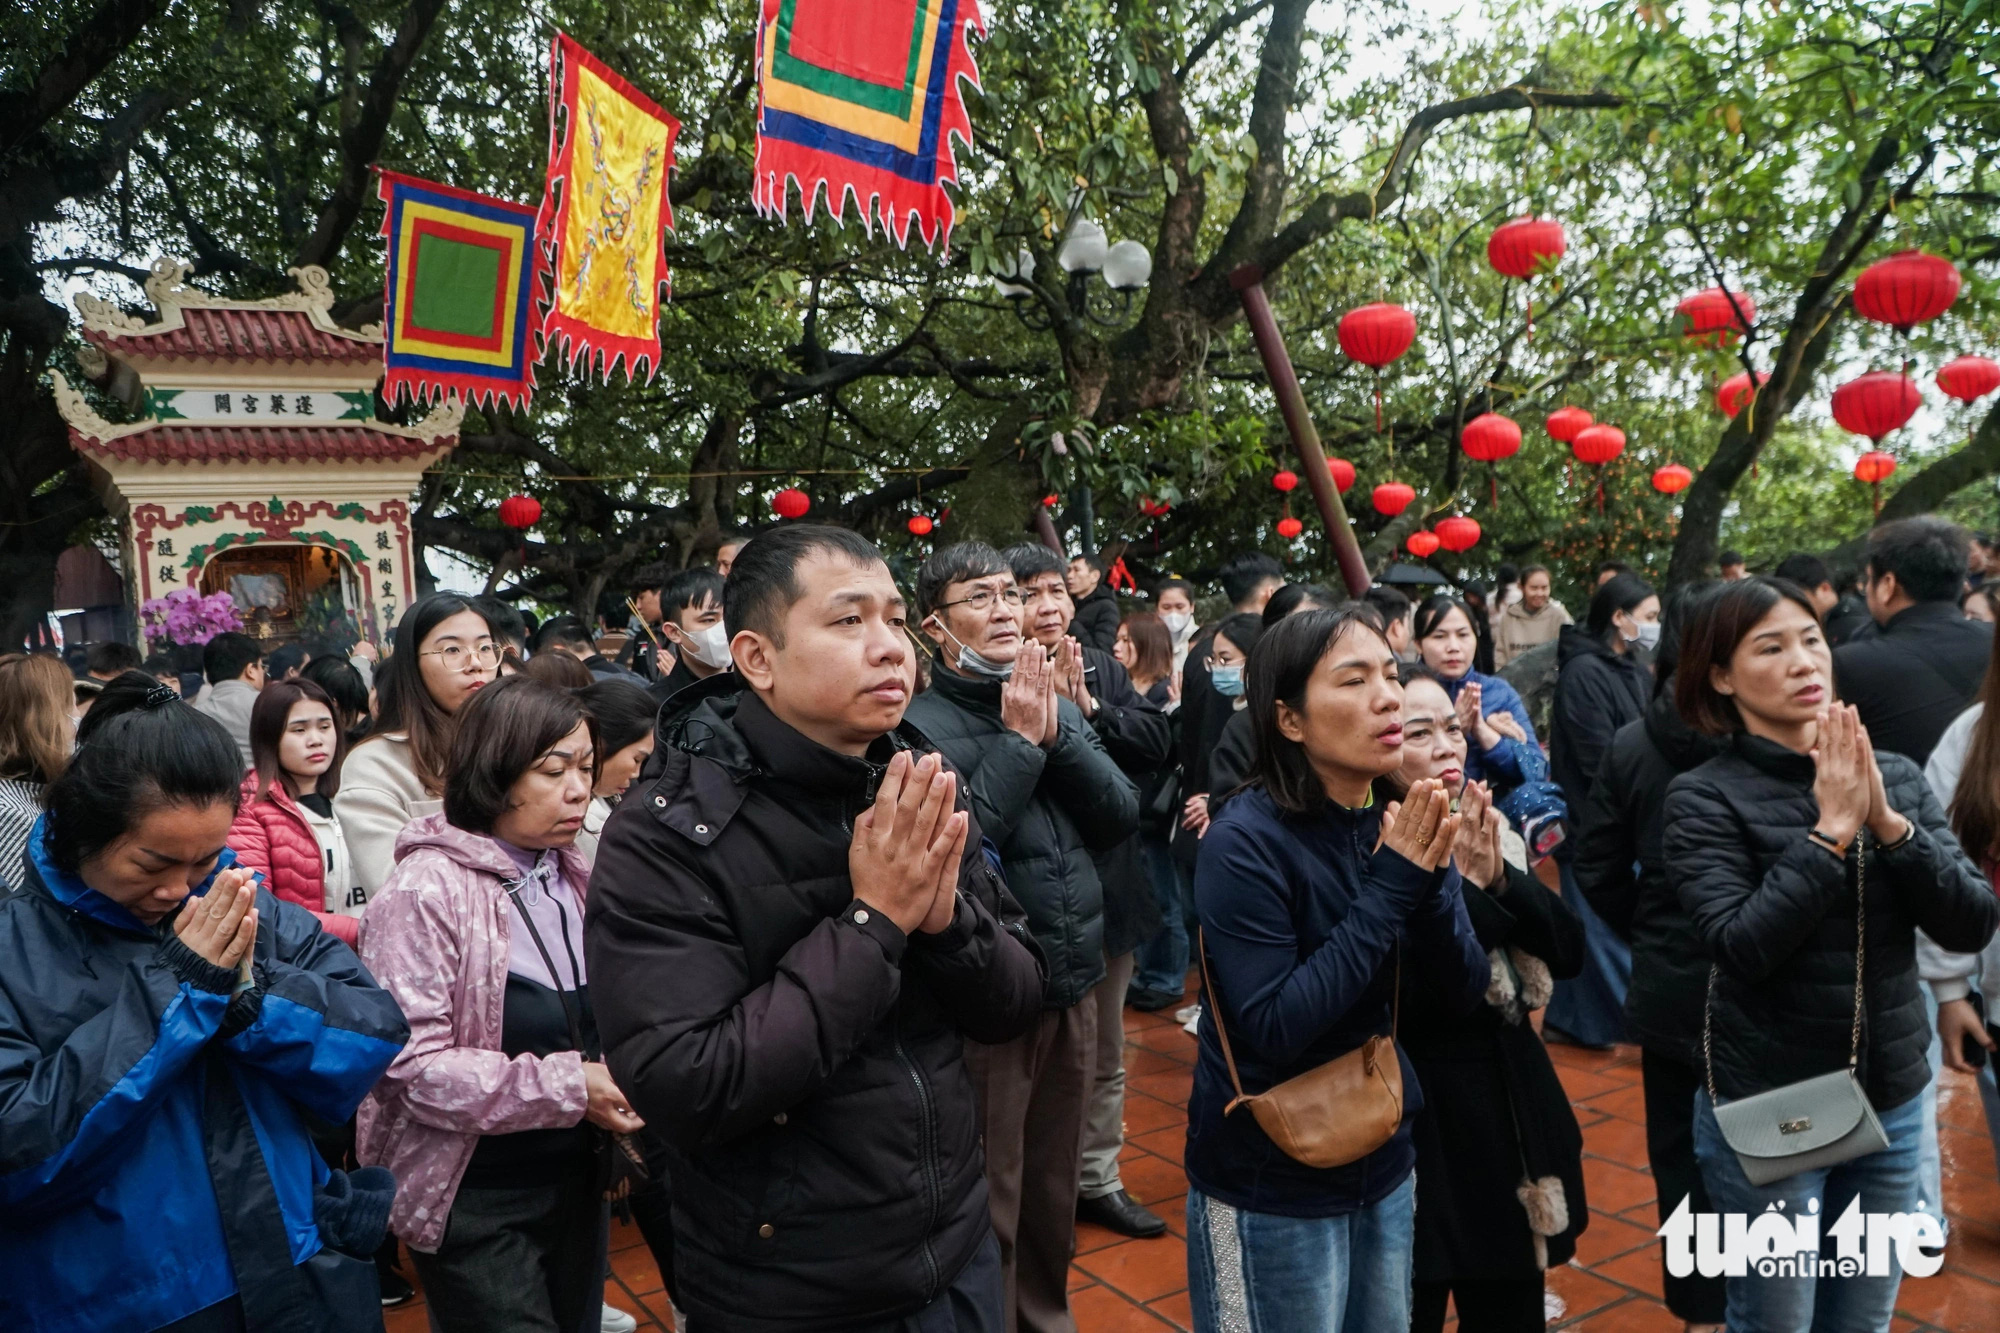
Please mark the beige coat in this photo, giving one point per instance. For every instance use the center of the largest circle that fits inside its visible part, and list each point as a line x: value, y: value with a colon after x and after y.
x: 1518, y: 630
x: 380, y: 794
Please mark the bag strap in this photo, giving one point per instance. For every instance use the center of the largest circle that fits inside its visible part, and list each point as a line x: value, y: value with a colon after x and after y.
x: 1222, y: 1029
x: 1860, y: 963
x: 513, y: 888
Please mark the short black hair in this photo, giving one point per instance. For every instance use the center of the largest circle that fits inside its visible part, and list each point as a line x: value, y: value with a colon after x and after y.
x: 1091, y: 558
x: 1716, y: 625
x: 1728, y: 558
x: 1243, y: 574
x: 1506, y: 574
x: 229, y: 655
x: 649, y: 578
x: 284, y: 658
x: 1245, y: 629
x: 1031, y: 560
x: 110, y: 659
x: 956, y: 563
x: 1292, y: 596
x: 1808, y: 571
x: 503, y: 621
x: 1529, y: 571
x: 1433, y: 611
x: 1279, y: 672
x: 503, y: 730
x: 1621, y: 592
x: 565, y: 630
x: 1165, y: 586
x: 689, y: 589
x: 1927, y: 555
x: 1392, y: 603
x: 1604, y: 567
x: 343, y: 684
x: 136, y: 751
x: 763, y: 580
x: 1678, y: 605
x: 623, y: 709
x: 160, y: 664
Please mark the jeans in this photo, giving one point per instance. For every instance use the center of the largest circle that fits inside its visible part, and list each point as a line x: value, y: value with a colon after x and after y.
x: 1590, y: 1007
x: 1163, y: 960
x: 1930, y: 1152
x: 1262, y: 1273
x: 1887, y: 1183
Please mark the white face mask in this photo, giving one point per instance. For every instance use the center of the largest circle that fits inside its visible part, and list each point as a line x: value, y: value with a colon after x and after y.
x: 1178, y: 623
x: 1649, y: 634
x: 710, y: 646
x: 976, y: 664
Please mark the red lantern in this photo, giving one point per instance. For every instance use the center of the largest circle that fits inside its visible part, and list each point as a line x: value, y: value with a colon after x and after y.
x: 1375, y: 335
x: 1490, y: 437
x: 1422, y: 544
x: 1286, y: 481
x: 921, y: 526
x: 1458, y: 533
x: 1714, y: 317
x: 1906, y: 289
x: 1672, y: 479
x: 1598, y: 444
x: 1876, y: 403
x: 790, y: 503
x: 1051, y: 501
x: 1152, y: 508
x: 520, y: 512
x: 1289, y: 527
x: 1565, y: 423
x: 1393, y: 497
x: 1874, y: 468
x: 1738, y: 390
x: 1342, y: 473
x: 1969, y: 377
x: 1526, y: 246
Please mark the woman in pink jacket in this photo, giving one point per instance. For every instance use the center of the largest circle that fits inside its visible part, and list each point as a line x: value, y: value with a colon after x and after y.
x: 492, y: 1118
x: 285, y: 826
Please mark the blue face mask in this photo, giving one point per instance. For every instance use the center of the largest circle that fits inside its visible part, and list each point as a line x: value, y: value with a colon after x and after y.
x: 1228, y: 680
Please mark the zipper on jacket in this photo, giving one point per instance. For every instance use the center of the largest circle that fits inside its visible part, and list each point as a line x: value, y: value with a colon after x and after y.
x: 927, y: 1149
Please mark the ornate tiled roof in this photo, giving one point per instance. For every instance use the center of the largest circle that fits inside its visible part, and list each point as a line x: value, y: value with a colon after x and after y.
x: 258, y: 444
x: 241, y: 335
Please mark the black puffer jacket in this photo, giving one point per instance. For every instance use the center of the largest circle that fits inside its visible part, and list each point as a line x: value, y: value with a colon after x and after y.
x: 1597, y: 692
x: 1048, y: 811
x: 1623, y: 824
x: 1914, y: 677
x: 801, y: 1061
x: 1776, y: 912
x: 1096, y: 623
x: 1140, y: 740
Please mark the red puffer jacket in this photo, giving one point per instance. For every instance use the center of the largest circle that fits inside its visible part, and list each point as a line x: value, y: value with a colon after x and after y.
x: 271, y: 835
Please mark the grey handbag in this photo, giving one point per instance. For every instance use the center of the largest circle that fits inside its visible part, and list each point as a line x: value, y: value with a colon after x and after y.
x: 1816, y: 1122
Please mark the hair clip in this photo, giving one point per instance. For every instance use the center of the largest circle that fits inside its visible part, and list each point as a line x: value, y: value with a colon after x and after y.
x: 161, y: 695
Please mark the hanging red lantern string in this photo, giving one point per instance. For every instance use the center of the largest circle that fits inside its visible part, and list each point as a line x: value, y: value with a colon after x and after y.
x: 1289, y: 527
x: 1393, y: 497
x: 790, y: 503
x: 1968, y: 379
x: 1876, y: 404
x: 1489, y: 438
x: 1874, y: 468
x: 520, y: 512
x: 1563, y: 425
x: 1714, y: 317
x: 1737, y: 391
x: 1598, y: 445
x: 1422, y: 544
x: 1525, y: 247
x: 1906, y: 289
x: 1458, y: 533
x: 1672, y: 479
x: 1152, y: 508
x: 1286, y: 482
x: 1375, y: 335
x: 1118, y: 576
x: 1342, y: 473
x: 920, y: 526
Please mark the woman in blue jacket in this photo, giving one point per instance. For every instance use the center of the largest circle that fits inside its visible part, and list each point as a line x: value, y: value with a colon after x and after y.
x: 166, y: 1026
x: 1503, y: 750
x: 1306, y: 891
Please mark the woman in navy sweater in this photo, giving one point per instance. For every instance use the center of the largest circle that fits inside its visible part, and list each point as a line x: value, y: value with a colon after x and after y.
x: 1305, y: 890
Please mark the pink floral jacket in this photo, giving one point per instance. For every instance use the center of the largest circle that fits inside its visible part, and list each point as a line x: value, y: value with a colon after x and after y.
x: 436, y: 938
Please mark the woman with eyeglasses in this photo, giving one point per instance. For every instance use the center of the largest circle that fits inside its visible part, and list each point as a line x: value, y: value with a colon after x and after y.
x: 444, y: 655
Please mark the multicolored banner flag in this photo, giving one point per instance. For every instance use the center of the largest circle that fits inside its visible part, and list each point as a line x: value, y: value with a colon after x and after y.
x: 458, y: 315
x: 604, y: 214
x: 864, y: 95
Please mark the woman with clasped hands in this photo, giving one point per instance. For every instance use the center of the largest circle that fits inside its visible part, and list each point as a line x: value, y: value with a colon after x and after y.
x: 1765, y: 846
x: 1309, y: 893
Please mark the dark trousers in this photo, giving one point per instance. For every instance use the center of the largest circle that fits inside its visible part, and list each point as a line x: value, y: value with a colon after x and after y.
x: 1033, y: 1092
x: 1513, y: 1305
x: 1670, y: 1089
x: 972, y: 1304
x: 520, y: 1260
x: 652, y: 1208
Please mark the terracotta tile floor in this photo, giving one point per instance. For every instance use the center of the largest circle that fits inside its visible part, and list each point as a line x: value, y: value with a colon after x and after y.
x: 1125, y: 1286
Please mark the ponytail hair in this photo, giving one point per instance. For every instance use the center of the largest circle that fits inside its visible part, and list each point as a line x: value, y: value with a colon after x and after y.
x: 139, y: 749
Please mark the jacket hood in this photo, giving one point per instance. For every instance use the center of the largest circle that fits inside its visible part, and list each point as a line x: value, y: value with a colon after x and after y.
x: 1575, y: 641
x: 1681, y: 745
x: 73, y: 893
x: 479, y: 851
x: 1520, y: 611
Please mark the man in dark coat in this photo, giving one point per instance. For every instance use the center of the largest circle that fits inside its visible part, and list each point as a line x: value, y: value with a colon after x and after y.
x: 1096, y: 604
x: 1138, y: 737
x: 1923, y: 666
x: 1049, y: 798
x: 692, y: 629
x: 793, y: 935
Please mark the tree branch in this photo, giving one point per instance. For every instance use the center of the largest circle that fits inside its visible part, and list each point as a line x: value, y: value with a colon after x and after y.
x: 98, y: 41
x: 1221, y: 28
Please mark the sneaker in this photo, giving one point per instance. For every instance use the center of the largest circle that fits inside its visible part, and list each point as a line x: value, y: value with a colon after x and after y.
x: 1151, y: 1001
x: 396, y: 1289
x: 1191, y: 1024
x: 616, y: 1320
x: 1185, y: 1014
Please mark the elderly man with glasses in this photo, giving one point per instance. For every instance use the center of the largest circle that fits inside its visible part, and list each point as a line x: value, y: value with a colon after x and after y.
x: 1048, y: 797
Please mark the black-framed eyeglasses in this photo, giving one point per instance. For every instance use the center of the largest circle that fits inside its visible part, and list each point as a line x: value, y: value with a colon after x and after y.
x: 983, y: 599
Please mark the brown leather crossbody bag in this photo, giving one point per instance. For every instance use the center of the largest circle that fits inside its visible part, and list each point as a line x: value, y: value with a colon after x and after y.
x: 1332, y: 1115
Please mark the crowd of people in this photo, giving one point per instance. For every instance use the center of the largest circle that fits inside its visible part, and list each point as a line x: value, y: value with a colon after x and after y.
x: 799, y: 925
